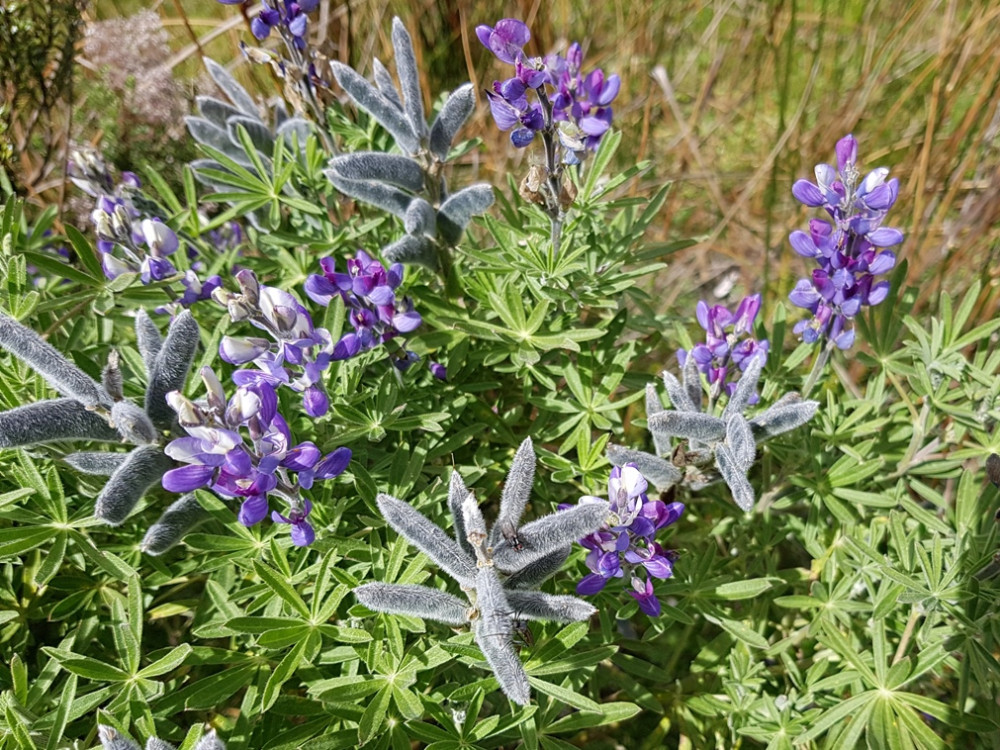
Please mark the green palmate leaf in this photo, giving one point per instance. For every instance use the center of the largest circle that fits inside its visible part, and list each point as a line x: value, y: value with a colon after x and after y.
x: 609, y: 713
x: 565, y: 695
x: 373, y: 718
x: 738, y: 590
x: 85, y: 666
x: 167, y: 663
x: 282, y: 588
x: 61, y: 717
x: 17, y: 541
x: 284, y: 671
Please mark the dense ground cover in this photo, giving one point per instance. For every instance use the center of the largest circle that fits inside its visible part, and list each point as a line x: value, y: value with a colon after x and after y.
x: 332, y: 399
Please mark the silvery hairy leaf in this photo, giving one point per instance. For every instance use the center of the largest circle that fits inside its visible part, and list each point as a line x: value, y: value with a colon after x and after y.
x: 679, y: 397
x: 745, y: 387
x: 51, y: 420
x: 171, y: 368
x: 97, y: 464
x: 516, y: 492
x: 735, y: 476
x: 236, y: 93
x: 687, y: 424
x: 148, y: 339
x: 295, y: 129
x: 428, y: 538
x: 370, y: 99
x: 782, y: 418
x: 112, y: 740
x: 215, y: 110
x: 654, y: 406
x: 410, y: 249
x: 660, y: 472
x: 385, y: 84
x: 177, y: 520
x: 739, y: 437
x: 132, y: 423
x: 143, y: 468
x: 472, y: 518
x: 209, y: 134
x: 413, y: 600
x: 409, y: 78
x: 386, y: 197
x: 535, y: 573
x: 535, y: 605
x: 260, y: 134
x: 456, y: 496
x: 111, y: 377
x: 394, y: 169
x: 455, y: 111
x: 155, y: 743
x: 547, y: 534
x: 42, y: 357
x: 493, y: 631
x: 456, y: 211
x: 691, y: 379
x: 210, y: 741
x: 420, y: 218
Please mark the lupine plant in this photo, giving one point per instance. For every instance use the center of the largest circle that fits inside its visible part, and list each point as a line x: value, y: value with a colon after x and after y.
x: 766, y: 557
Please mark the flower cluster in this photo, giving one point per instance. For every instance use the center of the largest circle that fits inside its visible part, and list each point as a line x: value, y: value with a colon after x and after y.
x: 299, y: 352
x: 242, y: 448
x: 578, y: 109
x: 129, y: 240
x: 848, y: 249
x: 626, y: 542
x: 289, y: 18
x: 723, y: 346
x: 369, y: 293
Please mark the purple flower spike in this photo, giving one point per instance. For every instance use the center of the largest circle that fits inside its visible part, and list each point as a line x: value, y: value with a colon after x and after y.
x: 572, y: 108
x: 728, y: 341
x: 368, y: 290
x: 625, y: 543
x: 844, y: 249
x: 242, y: 448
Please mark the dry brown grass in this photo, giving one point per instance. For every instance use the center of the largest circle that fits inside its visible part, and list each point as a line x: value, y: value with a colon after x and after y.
x: 732, y: 101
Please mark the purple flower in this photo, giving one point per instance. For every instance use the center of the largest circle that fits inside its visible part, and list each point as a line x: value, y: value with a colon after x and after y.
x: 242, y: 448
x: 302, y: 531
x: 368, y: 290
x: 572, y: 108
x: 438, y: 370
x: 506, y: 40
x: 625, y: 544
x: 298, y: 352
x: 846, y: 249
x: 728, y: 343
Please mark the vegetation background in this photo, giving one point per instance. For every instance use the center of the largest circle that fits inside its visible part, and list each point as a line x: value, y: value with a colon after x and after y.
x: 732, y: 101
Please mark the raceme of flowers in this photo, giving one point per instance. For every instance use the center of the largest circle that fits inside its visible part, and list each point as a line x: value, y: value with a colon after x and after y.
x: 299, y: 352
x: 849, y: 250
x: 130, y: 241
x: 626, y: 542
x: 369, y: 293
x: 575, y: 104
x: 242, y: 448
x: 723, y: 346
x: 288, y: 17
